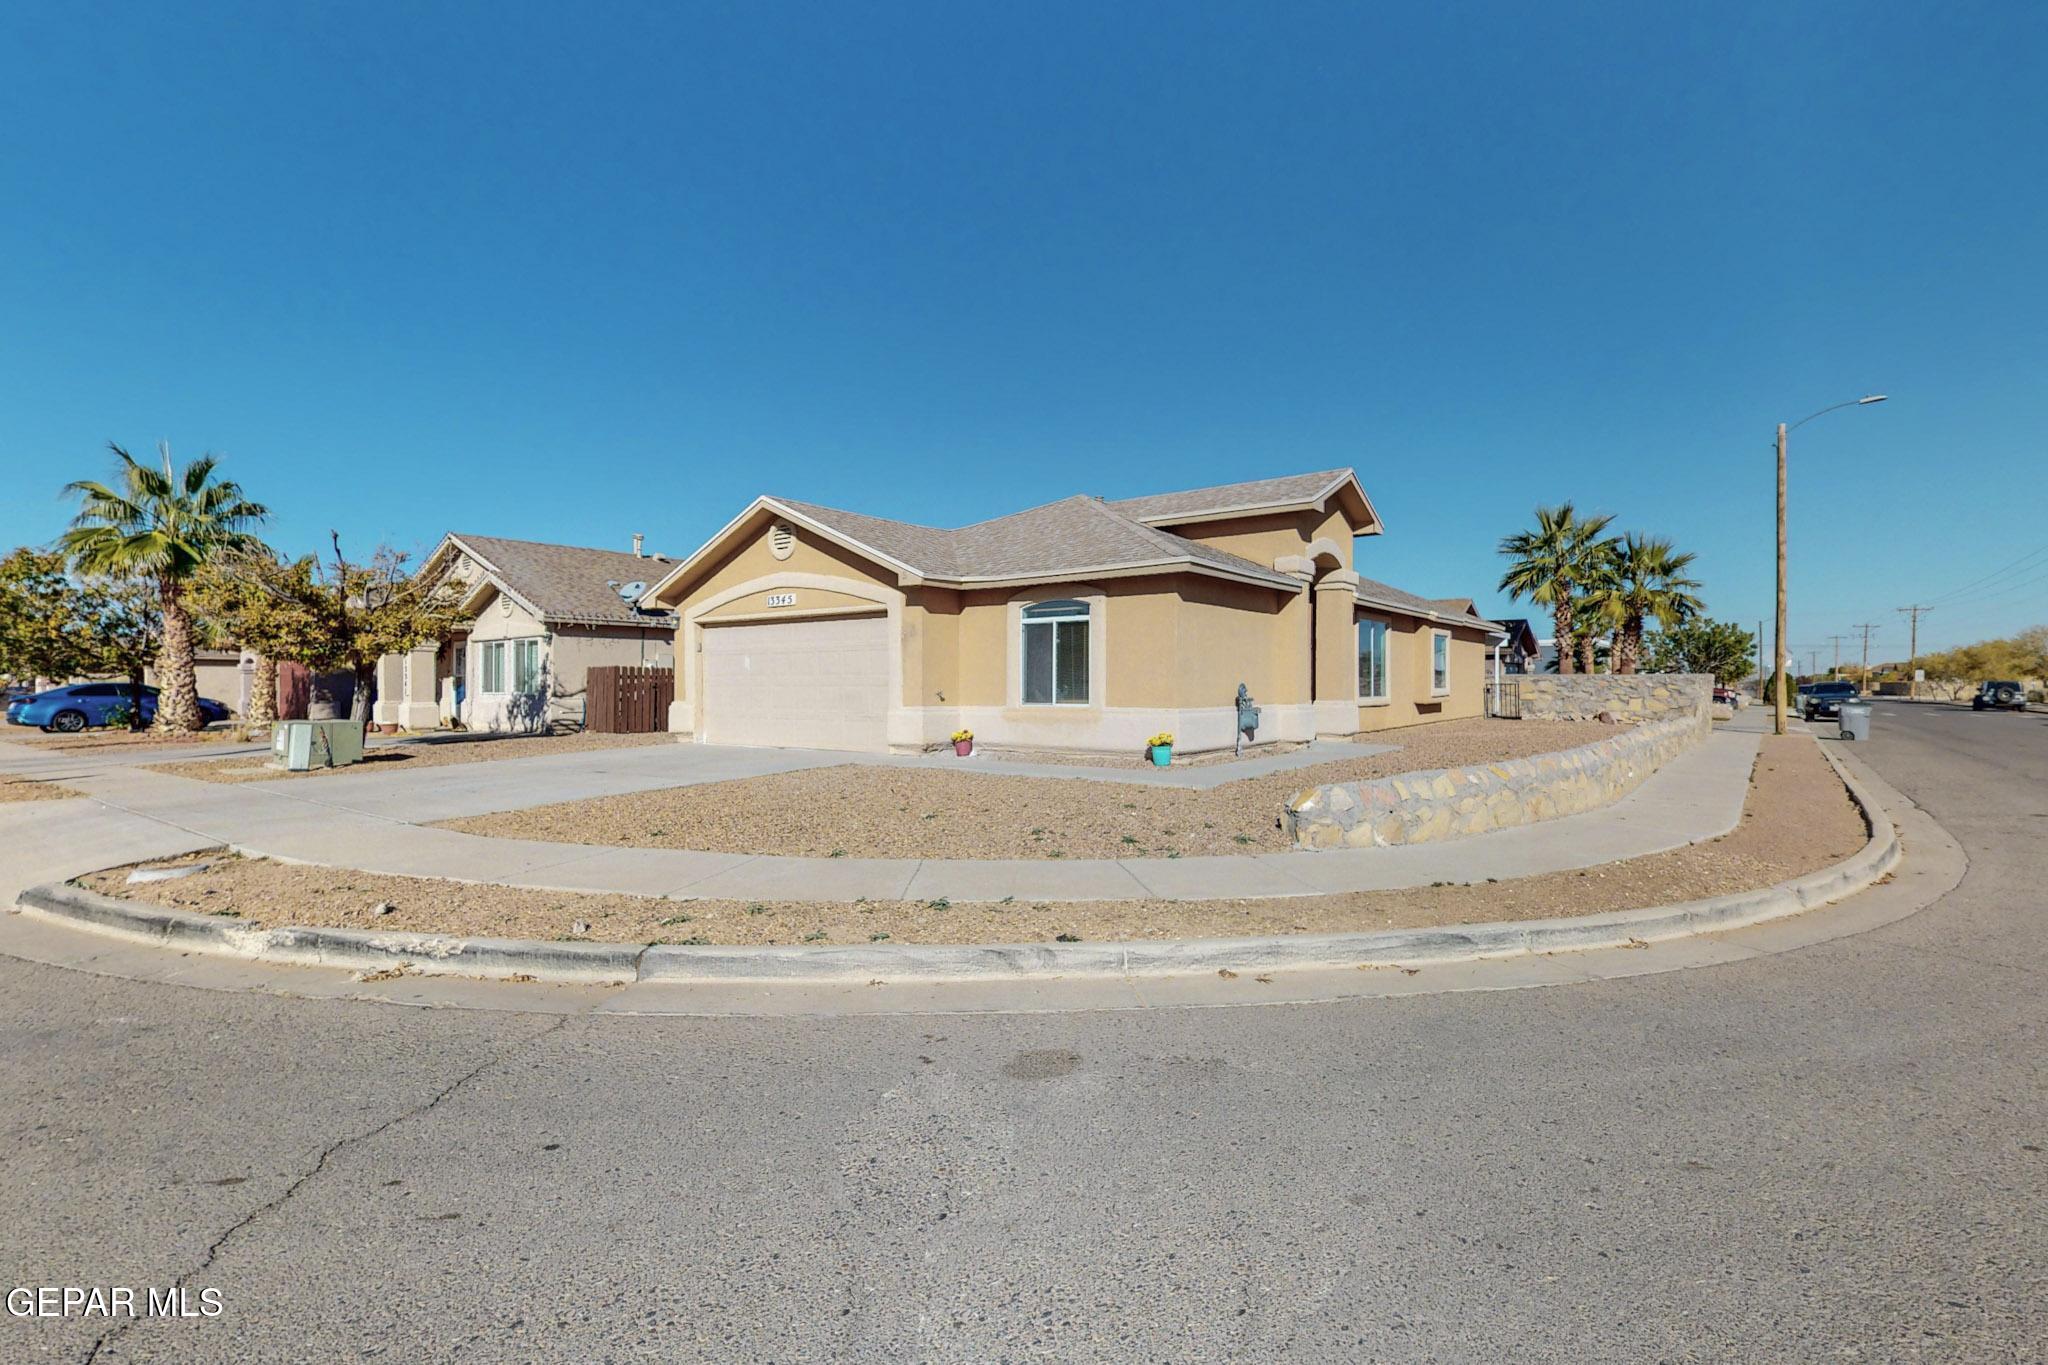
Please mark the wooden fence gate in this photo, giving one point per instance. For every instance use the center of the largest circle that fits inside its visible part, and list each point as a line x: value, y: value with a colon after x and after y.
x: 621, y: 699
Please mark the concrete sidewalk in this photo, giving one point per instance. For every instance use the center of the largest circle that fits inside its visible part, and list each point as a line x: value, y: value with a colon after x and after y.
x: 1696, y: 796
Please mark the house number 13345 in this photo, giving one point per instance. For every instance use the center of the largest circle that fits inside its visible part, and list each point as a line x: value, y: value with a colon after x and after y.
x: 781, y: 599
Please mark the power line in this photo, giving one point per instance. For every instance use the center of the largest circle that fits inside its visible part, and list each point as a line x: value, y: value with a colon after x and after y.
x: 2020, y: 564
x: 2008, y: 591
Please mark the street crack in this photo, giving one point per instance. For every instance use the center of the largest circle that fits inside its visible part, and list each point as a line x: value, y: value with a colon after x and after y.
x: 327, y: 1154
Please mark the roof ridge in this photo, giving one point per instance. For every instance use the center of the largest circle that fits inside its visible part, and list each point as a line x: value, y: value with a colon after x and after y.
x: 467, y: 536
x: 1185, y: 547
x: 1162, y: 539
x: 1023, y: 511
x: 1332, y: 473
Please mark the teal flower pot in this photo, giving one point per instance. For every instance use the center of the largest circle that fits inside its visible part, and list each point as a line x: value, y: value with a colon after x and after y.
x: 1162, y: 755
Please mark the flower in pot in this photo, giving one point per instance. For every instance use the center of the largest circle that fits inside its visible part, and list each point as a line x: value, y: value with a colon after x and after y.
x: 1161, y: 748
x: 963, y: 742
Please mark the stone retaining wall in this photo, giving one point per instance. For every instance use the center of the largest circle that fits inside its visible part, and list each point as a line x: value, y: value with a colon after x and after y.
x: 1628, y: 696
x: 1448, y: 803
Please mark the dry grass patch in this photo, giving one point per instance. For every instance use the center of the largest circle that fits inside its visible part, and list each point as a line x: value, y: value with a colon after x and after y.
x: 14, y: 789
x: 863, y: 811
x: 411, y: 755
x: 1798, y: 818
x: 88, y: 740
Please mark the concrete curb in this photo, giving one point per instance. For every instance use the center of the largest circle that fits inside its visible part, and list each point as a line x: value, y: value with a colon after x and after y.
x: 609, y: 962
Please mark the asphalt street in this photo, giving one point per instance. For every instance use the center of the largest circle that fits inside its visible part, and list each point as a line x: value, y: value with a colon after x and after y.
x: 1831, y: 1153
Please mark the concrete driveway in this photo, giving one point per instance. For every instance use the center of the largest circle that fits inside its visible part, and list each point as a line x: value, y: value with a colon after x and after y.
x: 1831, y: 1153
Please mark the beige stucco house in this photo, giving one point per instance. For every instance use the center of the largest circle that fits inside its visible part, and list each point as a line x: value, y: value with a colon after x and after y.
x: 539, y: 617
x: 1080, y: 625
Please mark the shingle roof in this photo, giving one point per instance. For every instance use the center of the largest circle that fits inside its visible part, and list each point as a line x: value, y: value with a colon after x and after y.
x: 1518, y: 627
x: 568, y: 583
x: 1391, y: 597
x: 1195, y: 502
x: 926, y: 549
x: 1067, y: 536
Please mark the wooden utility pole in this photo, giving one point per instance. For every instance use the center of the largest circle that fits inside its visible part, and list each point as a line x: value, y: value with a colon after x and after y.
x: 1778, y: 644
x: 1762, y: 678
x: 1913, y: 650
x: 1866, y: 627
x: 1838, y: 653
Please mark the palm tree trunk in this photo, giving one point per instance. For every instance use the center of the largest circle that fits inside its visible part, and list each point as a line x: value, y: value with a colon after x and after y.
x: 1561, y: 623
x: 1588, y: 653
x: 177, y: 700
x: 1628, y: 644
x: 263, y: 692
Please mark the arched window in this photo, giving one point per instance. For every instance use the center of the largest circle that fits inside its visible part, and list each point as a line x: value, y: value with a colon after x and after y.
x: 1056, y: 654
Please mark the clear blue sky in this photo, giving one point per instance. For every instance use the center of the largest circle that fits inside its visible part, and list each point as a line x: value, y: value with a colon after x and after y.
x: 572, y: 272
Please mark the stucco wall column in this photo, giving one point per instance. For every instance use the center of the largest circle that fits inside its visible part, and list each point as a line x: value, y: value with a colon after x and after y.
x: 419, y: 707
x: 390, y: 690
x: 1336, y: 671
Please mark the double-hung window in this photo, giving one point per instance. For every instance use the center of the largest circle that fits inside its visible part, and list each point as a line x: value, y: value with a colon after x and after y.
x: 1439, y: 663
x: 1056, y: 654
x: 1372, y: 660
x: 492, y: 666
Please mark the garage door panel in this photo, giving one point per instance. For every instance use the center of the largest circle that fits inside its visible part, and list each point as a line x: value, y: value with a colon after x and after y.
x: 799, y: 684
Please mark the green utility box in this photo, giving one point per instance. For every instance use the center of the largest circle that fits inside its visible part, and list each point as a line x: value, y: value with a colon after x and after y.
x: 299, y: 745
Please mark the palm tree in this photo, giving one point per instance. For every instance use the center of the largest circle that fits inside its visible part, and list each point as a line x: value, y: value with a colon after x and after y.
x: 1647, y: 582
x: 1552, y: 564
x: 162, y: 527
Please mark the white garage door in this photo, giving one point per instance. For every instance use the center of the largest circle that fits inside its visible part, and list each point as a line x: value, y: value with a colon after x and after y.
x: 799, y: 684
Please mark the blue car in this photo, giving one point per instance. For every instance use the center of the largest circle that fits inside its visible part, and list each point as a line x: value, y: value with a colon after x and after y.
x: 86, y: 705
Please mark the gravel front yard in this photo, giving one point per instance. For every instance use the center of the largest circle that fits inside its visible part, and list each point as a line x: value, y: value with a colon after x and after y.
x: 406, y: 757
x: 862, y: 811
x: 1798, y: 819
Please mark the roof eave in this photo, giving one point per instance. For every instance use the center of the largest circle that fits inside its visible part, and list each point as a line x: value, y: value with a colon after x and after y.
x: 1423, y: 613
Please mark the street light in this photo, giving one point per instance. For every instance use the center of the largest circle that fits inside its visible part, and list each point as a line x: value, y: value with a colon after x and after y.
x: 1779, y: 709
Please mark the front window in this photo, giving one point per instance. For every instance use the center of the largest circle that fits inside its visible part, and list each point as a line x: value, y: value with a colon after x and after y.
x: 1372, y: 660
x: 525, y: 665
x: 1439, y: 663
x: 493, y: 669
x: 1056, y: 654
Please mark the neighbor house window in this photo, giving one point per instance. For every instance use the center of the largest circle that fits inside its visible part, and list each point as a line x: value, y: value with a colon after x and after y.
x: 1372, y: 660
x: 525, y: 665
x: 1056, y: 654
x: 493, y: 666
x: 1439, y: 663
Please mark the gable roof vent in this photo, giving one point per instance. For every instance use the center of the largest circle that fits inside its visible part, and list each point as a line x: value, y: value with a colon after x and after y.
x: 781, y: 540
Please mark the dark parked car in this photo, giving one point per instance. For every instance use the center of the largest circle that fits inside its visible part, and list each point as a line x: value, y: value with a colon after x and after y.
x: 1825, y: 698
x: 82, y: 706
x: 1999, y: 696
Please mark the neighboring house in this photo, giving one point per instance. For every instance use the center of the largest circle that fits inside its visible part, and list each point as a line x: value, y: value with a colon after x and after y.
x: 540, y: 616
x: 1545, y: 658
x: 1520, y: 650
x: 1080, y: 625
